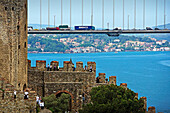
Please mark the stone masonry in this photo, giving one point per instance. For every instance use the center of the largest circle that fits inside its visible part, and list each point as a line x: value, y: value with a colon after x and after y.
x: 76, y: 82
x: 19, y: 105
x: 13, y: 42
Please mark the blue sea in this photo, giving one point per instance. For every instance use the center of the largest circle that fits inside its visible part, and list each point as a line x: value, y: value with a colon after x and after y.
x: 147, y: 73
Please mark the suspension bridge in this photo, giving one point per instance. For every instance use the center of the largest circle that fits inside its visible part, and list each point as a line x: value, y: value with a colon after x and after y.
x: 110, y: 32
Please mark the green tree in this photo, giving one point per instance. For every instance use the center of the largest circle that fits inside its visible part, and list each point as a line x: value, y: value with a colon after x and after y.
x: 57, y: 105
x: 113, y: 99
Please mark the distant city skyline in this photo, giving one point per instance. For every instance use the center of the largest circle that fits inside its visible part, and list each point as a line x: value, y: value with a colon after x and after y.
x: 76, y: 12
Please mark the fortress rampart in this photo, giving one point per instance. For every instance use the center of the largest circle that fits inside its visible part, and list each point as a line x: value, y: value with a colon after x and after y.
x: 75, y: 81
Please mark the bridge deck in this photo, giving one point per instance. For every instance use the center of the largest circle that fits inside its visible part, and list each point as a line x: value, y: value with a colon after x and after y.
x: 97, y: 31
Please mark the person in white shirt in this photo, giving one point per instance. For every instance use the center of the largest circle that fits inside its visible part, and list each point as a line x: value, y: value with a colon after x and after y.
x: 15, y: 93
x: 50, y: 67
x: 42, y: 105
x: 37, y: 99
x: 26, y: 95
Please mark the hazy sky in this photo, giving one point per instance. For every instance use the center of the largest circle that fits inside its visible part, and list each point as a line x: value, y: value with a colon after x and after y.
x: 55, y: 9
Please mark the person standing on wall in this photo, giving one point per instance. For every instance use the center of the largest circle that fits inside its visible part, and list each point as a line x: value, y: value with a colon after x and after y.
x: 15, y: 93
x: 90, y: 68
x: 58, y: 68
x: 54, y: 67
x: 37, y: 99
x: 48, y: 67
x: 26, y: 94
x: 85, y: 68
x: 42, y: 105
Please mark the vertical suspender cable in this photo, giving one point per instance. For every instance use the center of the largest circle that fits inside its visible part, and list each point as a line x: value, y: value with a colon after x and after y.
x: 48, y: 13
x: 54, y: 20
x: 156, y: 11
x: 143, y: 14
x: 61, y: 12
x: 70, y: 14
x: 164, y: 14
x: 82, y: 12
x: 134, y: 14
x: 123, y: 13
x: 128, y: 22
x: 40, y: 14
x: 103, y: 14
x: 113, y: 14
x: 91, y: 12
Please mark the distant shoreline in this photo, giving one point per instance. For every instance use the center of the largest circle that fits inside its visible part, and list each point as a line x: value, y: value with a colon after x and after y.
x: 89, y: 52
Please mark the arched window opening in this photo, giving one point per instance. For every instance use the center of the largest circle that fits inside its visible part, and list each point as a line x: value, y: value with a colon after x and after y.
x: 13, y: 8
x: 18, y: 27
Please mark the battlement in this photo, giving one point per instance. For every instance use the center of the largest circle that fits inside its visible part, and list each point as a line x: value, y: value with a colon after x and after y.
x: 112, y: 80
x: 136, y: 95
x: 67, y: 66
x: 45, y: 79
x: 145, y: 102
x: 151, y: 109
x: 124, y: 85
x: 101, y: 79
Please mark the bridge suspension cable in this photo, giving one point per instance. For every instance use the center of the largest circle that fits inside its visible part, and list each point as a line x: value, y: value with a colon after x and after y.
x: 123, y: 13
x: 143, y: 14
x: 134, y: 14
x: 156, y: 11
x: 82, y: 12
x: 61, y: 12
x: 40, y: 14
x: 164, y: 14
x: 103, y: 14
x: 113, y: 14
x: 128, y: 22
x: 91, y: 12
x: 48, y: 13
x: 70, y: 14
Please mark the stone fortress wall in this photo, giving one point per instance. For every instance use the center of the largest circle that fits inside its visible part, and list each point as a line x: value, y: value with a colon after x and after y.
x: 13, y: 42
x: 13, y: 57
x: 77, y: 83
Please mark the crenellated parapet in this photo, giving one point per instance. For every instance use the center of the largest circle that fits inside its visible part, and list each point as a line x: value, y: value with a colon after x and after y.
x: 136, y: 95
x: 151, y: 109
x: 77, y: 79
x: 55, y: 64
x: 102, y: 77
x: 41, y: 65
x: 145, y: 102
x: 124, y: 85
x: 91, y: 65
x: 79, y: 66
x: 112, y: 80
x: 68, y: 66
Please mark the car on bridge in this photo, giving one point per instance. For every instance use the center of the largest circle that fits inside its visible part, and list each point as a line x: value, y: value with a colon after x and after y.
x: 52, y: 28
x: 30, y: 28
x: 148, y: 28
x: 64, y: 27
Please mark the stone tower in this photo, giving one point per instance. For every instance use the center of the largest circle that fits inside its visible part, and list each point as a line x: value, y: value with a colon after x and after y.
x: 13, y: 42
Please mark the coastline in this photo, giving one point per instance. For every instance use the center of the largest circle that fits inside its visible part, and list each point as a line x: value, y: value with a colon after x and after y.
x: 86, y: 52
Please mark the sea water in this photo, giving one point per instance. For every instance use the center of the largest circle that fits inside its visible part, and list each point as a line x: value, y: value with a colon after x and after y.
x: 146, y: 73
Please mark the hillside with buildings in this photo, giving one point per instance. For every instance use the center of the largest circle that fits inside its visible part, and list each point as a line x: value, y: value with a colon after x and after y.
x: 94, y: 43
